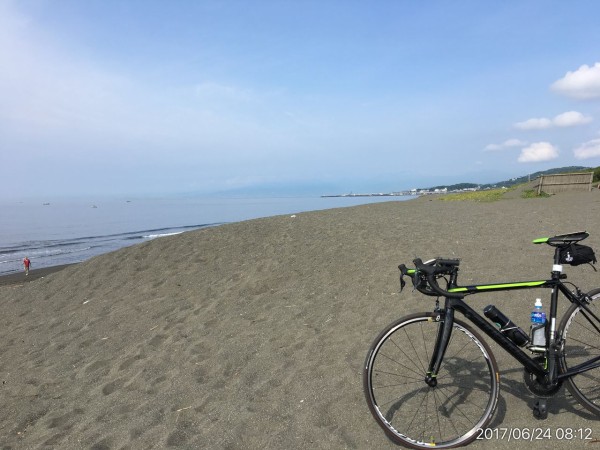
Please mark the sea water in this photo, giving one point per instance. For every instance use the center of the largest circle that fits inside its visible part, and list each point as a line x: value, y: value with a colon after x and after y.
x: 58, y: 232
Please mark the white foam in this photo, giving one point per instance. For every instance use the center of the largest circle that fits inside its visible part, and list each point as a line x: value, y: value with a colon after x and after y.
x: 154, y: 236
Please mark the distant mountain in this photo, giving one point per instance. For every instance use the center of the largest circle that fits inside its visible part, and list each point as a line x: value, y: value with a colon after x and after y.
x: 283, y: 189
x: 513, y: 181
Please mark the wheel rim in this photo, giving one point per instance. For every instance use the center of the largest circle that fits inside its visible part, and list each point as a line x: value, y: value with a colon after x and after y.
x: 422, y: 416
x: 581, y: 343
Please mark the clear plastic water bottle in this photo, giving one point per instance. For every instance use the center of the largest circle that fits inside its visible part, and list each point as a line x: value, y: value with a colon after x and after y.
x: 538, y: 325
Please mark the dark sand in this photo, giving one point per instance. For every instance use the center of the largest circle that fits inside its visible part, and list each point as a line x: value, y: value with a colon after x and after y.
x: 19, y: 279
x: 253, y: 335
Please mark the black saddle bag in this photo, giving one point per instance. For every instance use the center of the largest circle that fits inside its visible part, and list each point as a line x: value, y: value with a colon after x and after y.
x: 576, y: 254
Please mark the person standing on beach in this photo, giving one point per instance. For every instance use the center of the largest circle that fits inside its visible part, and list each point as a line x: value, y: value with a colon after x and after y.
x: 26, y: 264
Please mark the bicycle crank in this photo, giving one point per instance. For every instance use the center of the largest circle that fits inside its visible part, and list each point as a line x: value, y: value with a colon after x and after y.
x: 535, y: 386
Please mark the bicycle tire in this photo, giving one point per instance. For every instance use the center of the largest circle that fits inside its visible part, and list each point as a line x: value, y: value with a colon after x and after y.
x: 411, y: 412
x: 580, y: 343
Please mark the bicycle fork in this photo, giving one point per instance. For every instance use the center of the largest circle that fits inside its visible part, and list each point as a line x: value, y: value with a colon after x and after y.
x: 441, y: 344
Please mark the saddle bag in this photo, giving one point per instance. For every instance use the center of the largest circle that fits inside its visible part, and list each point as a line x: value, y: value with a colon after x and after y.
x: 576, y: 254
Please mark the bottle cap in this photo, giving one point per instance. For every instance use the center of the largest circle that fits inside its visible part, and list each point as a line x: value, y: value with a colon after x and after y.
x: 538, y: 302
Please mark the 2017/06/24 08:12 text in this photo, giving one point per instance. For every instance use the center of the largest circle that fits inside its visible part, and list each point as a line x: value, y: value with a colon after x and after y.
x: 535, y: 434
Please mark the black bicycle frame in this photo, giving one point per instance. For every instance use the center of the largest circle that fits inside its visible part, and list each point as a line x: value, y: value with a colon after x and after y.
x: 456, y: 303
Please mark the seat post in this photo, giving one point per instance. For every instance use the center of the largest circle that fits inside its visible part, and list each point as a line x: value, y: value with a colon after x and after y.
x: 557, y: 266
x: 551, y: 329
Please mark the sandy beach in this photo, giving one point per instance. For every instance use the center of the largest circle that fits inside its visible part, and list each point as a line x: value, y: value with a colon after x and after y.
x: 19, y: 279
x: 253, y: 334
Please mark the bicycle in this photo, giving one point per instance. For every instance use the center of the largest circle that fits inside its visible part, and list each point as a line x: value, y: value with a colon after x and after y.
x: 431, y: 380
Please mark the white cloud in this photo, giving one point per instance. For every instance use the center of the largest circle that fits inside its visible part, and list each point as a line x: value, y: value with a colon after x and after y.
x: 566, y: 119
x: 492, y: 147
x: 506, y: 144
x: 534, y: 124
x: 537, y: 152
x: 571, y: 119
x: 583, y: 84
x: 590, y: 149
x: 513, y: 143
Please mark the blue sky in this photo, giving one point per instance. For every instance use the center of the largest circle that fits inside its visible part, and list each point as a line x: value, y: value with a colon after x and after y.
x: 159, y: 97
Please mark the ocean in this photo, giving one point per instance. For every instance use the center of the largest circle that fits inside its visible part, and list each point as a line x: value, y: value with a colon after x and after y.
x: 69, y: 231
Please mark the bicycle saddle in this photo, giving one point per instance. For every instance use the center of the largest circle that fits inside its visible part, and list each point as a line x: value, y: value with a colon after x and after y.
x: 563, y: 239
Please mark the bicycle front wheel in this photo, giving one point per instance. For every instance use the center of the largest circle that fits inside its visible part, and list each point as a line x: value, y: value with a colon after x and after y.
x: 581, y: 337
x: 411, y: 412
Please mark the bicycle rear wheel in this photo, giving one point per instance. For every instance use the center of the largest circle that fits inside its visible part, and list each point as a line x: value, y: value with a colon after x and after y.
x: 581, y: 335
x: 411, y: 412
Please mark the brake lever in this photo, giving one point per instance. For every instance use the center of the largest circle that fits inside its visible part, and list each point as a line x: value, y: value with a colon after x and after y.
x: 416, y: 280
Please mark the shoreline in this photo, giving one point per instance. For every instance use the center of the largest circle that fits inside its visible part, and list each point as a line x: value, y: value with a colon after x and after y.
x: 20, y: 279
x: 117, y: 225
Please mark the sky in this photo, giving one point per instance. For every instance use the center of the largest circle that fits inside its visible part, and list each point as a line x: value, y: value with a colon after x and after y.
x: 147, y: 97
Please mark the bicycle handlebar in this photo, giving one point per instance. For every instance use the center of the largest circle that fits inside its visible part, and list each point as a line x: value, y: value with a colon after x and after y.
x: 425, y: 276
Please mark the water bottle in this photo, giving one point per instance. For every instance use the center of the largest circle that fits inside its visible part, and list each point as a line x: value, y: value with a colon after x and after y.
x: 538, y: 325
x: 507, y: 326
